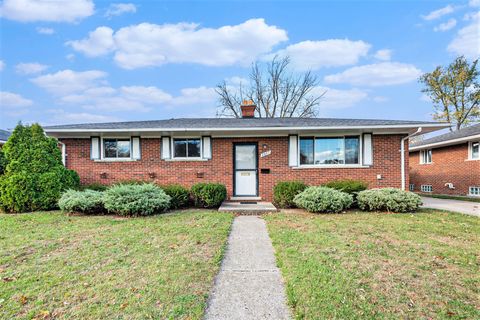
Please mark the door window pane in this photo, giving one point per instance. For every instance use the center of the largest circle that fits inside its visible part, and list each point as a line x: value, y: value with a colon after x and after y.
x: 306, y: 150
x: 193, y: 148
x: 180, y: 148
x: 245, y: 157
x: 329, y: 151
x: 352, y: 148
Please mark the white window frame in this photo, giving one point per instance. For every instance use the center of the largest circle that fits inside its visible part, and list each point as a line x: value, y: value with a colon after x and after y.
x: 115, y: 158
x: 314, y: 136
x: 470, y: 150
x: 411, y: 187
x: 426, y: 188
x: 423, y: 154
x: 172, y: 148
x: 474, y: 191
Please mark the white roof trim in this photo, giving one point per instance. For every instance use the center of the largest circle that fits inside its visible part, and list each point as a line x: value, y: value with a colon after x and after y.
x: 399, y: 126
x: 445, y: 143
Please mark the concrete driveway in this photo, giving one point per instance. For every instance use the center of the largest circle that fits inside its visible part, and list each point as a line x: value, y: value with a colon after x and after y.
x: 465, y: 207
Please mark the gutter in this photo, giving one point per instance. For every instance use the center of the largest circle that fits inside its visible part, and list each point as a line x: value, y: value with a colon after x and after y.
x: 402, y: 150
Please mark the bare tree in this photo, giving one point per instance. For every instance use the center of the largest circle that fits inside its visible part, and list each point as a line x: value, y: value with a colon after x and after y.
x: 276, y: 92
x: 454, y: 91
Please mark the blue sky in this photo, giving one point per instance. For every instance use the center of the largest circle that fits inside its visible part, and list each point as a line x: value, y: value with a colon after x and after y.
x: 99, y: 61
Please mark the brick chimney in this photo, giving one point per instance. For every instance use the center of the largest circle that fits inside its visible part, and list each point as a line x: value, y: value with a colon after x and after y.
x: 248, y: 109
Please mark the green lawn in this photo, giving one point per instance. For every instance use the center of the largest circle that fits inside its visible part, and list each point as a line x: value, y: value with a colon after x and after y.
x: 94, y: 267
x: 371, y: 265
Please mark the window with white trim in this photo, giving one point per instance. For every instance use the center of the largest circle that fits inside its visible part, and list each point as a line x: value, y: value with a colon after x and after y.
x: 426, y: 188
x: 474, y: 150
x: 117, y: 148
x: 474, y: 191
x: 411, y: 187
x: 187, y: 148
x: 329, y: 150
x: 426, y: 156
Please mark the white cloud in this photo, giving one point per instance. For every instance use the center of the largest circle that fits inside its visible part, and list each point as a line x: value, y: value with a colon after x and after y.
x: 99, y: 42
x: 13, y: 100
x: 43, y: 30
x: 474, y: 3
x: 313, y: 55
x: 148, y: 44
x: 337, y: 99
x: 117, y: 9
x: 438, y: 13
x: 380, y: 99
x: 467, y: 41
x: 61, y: 116
x: 50, y: 10
x: 451, y: 23
x: 377, y: 74
x: 384, y: 54
x: 146, y: 94
x: 68, y: 81
x: 195, y: 96
x: 30, y: 68
x: 2, y: 65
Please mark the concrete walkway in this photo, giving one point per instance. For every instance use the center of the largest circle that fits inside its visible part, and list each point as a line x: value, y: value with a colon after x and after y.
x: 465, y: 207
x: 249, y: 285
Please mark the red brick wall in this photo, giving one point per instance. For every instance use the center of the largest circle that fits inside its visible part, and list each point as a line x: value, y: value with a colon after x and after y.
x: 220, y: 167
x: 449, y: 165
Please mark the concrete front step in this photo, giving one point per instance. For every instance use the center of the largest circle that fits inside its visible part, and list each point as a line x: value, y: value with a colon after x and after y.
x: 250, y: 208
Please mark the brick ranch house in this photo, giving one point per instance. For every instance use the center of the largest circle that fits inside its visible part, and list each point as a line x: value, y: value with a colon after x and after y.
x: 447, y: 164
x: 249, y: 155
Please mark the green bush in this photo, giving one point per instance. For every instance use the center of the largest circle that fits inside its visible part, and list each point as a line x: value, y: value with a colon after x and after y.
x: 136, y: 199
x: 323, y: 199
x: 352, y: 187
x: 94, y: 186
x: 88, y: 201
x: 178, y: 194
x: 34, y: 176
x: 285, y: 191
x: 388, y: 199
x: 208, y: 195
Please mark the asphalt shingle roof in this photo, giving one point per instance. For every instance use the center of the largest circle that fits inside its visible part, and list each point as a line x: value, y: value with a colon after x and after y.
x: 207, y: 123
x: 462, y: 133
x: 4, y: 134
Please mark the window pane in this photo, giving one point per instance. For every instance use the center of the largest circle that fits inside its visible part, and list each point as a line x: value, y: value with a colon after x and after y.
x: 352, y: 147
x: 475, y: 150
x: 306, y: 150
x: 180, y: 148
x: 329, y: 151
x: 194, y: 148
x: 429, y: 156
x: 110, y: 148
x: 123, y: 148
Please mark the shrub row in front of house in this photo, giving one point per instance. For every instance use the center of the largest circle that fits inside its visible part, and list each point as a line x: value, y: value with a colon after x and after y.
x: 141, y: 199
x: 337, y: 196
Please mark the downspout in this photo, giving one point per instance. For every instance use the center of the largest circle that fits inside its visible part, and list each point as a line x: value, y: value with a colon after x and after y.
x: 402, y: 150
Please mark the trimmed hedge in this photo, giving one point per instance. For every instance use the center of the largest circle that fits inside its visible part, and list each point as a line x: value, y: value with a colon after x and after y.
x: 87, y: 202
x: 136, y: 199
x: 349, y: 186
x: 323, y: 199
x: 94, y: 186
x: 208, y: 195
x: 388, y: 199
x: 179, y: 195
x: 285, y: 191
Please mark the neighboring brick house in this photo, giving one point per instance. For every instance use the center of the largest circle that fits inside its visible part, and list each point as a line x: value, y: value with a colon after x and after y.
x: 249, y: 155
x: 4, y: 134
x: 447, y: 164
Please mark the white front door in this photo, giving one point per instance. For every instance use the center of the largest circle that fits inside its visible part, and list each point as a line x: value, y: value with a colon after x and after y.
x: 245, y: 173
